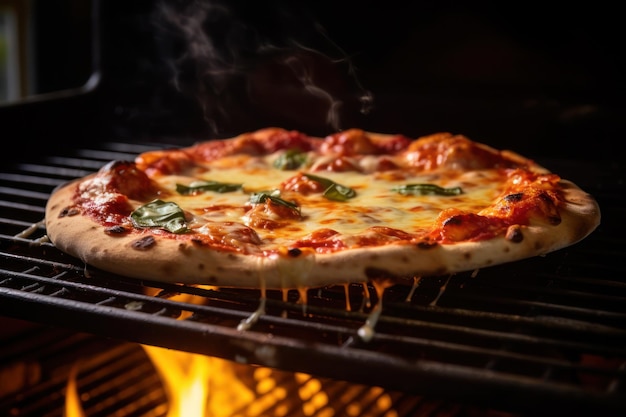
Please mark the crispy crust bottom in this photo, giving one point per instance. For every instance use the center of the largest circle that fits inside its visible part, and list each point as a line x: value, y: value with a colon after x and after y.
x: 181, y: 261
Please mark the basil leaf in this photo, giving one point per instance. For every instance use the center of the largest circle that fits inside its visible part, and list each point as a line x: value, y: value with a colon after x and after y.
x: 158, y: 213
x: 262, y: 196
x: 333, y: 191
x: 201, y: 186
x: 337, y: 192
x: 427, y: 189
x: 291, y: 159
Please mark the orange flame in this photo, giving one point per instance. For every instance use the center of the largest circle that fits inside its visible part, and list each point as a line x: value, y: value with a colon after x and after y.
x: 191, y: 380
x: 204, y: 386
x: 73, y: 406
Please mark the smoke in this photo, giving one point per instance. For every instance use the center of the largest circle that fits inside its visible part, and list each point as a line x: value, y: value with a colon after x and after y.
x: 262, y: 61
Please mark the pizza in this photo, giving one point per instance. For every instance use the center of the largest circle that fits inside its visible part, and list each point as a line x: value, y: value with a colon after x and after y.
x: 278, y: 208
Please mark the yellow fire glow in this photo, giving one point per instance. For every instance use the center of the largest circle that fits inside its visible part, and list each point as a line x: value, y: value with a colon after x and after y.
x: 204, y: 386
x: 73, y: 406
x: 191, y: 380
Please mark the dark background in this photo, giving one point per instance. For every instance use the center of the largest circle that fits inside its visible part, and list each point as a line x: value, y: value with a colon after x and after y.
x: 544, y: 81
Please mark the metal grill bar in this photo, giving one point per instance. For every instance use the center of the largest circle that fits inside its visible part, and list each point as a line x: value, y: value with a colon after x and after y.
x: 543, y: 334
x: 118, y: 379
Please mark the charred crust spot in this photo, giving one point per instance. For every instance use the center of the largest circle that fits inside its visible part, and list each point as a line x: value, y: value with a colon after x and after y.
x: 426, y: 244
x: 467, y: 255
x: 538, y: 245
x: 554, y: 220
x: 514, y: 233
x: 212, y: 279
x: 294, y: 252
x: 69, y: 211
x: 116, y: 230
x: 454, y: 220
x: 196, y: 241
x: 201, y: 267
x: 514, y: 198
x: 545, y: 198
x: 144, y: 243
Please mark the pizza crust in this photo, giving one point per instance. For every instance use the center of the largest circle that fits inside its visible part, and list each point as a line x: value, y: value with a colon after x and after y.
x: 181, y: 261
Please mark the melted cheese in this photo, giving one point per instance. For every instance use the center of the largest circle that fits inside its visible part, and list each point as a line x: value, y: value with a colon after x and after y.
x: 375, y: 204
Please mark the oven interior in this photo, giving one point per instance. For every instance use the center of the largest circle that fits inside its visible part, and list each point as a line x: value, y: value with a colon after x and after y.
x: 541, y: 336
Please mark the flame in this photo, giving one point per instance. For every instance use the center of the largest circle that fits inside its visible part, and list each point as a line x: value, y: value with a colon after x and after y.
x: 205, y: 386
x: 198, y: 385
x: 73, y: 406
x: 191, y: 380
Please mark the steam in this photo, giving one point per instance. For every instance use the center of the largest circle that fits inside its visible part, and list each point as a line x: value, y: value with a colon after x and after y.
x: 302, y: 73
x: 240, y: 59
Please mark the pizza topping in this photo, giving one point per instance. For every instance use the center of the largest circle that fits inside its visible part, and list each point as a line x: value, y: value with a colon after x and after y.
x: 202, y: 186
x: 522, y: 178
x: 526, y: 205
x: 290, y: 160
x: 106, y: 195
x: 391, y: 144
x: 323, y: 240
x: 381, y: 164
x: 271, y: 212
x: 336, y: 164
x: 302, y: 184
x: 121, y: 177
x: 165, y: 162
x: 107, y: 208
x: 377, y: 235
x: 392, y: 232
x: 332, y: 190
x: 453, y: 152
x: 273, y: 197
x: 426, y: 189
x: 228, y: 236
x: 454, y: 225
x: 276, y: 139
x: 158, y: 213
x: 262, y: 142
x: 348, y: 143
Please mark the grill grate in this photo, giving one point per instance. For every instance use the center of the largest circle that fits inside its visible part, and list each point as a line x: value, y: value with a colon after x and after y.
x: 543, y: 334
x: 116, y: 378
